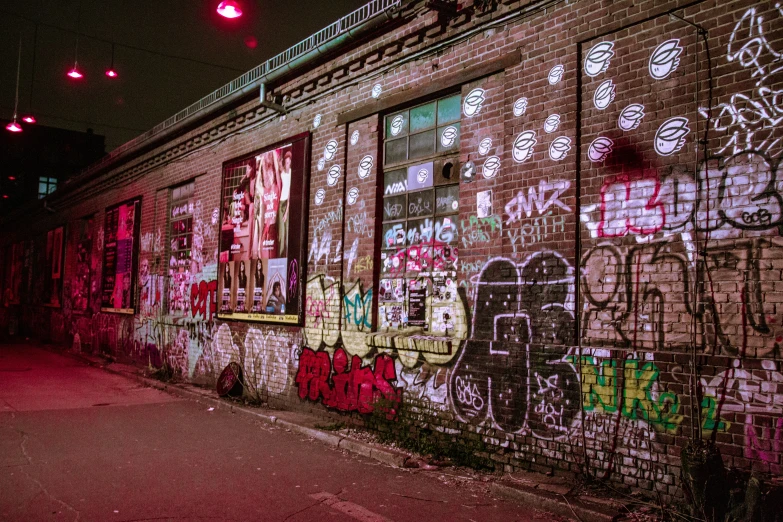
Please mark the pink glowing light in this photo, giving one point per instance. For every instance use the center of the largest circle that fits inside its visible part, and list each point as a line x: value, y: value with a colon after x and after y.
x: 29, y: 118
x: 229, y: 9
x: 75, y: 74
x: 111, y: 73
x: 13, y: 127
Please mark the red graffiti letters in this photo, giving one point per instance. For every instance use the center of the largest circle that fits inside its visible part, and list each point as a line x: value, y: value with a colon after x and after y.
x: 355, y: 388
x: 201, y: 294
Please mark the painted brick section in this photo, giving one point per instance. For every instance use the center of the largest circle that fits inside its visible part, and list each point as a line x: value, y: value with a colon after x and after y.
x: 633, y: 222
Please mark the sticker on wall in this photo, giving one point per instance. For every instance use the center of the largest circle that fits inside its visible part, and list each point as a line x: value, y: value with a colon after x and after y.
x: 396, y: 124
x: 333, y: 175
x: 631, y: 116
x: 552, y: 123
x: 355, y: 137
x: 484, y: 204
x: 467, y: 172
x: 520, y: 106
x: 316, y: 121
x: 472, y: 104
x: 665, y: 59
x: 604, y: 95
x: 320, y: 194
x: 448, y: 137
x: 559, y: 148
x: 670, y: 136
x: 420, y: 176
x: 555, y: 74
x: 523, y: 146
x: 365, y: 165
x: 353, y: 195
x: 376, y: 91
x: 598, y: 57
x: 491, y: 167
x: 484, y: 146
x: 330, y: 150
x: 321, y: 164
x: 599, y: 149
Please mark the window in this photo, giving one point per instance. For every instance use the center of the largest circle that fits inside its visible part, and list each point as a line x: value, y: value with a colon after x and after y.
x: 181, y: 235
x: 420, y: 209
x: 46, y: 186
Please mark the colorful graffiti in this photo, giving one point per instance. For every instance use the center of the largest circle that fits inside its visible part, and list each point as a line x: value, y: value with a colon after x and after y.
x: 348, y: 387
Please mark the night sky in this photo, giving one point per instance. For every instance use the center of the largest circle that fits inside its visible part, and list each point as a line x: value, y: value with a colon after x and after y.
x: 150, y: 87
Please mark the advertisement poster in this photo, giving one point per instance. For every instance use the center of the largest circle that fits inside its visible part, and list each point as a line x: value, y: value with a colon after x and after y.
x: 262, y: 234
x: 120, y: 257
x: 52, y: 277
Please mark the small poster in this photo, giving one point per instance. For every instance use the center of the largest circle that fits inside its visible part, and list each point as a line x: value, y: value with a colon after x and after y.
x: 484, y: 203
x: 417, y: 303
x: 121, y: 257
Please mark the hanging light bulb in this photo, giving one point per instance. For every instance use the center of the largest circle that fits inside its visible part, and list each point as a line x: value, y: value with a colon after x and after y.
x: 74, y: 72
x: 229, y: 9
x: 13, y: 126
x: 111, y: 72
x: 29, y: 118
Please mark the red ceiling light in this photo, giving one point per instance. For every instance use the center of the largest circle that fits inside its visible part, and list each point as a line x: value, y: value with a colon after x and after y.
x: 11, y: 178
x: 29, y: 118
x: 229, y: 9
x: 74, y: 73
x: 13, y: 127
x: 111, y: 72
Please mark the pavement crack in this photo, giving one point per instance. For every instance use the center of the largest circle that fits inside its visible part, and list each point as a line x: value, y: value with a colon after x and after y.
x: 38, y: 482
x: 320, y: 501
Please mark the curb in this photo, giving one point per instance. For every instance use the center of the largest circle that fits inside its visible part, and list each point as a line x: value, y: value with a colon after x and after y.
x: 561, y: 505
x: 392, y: 458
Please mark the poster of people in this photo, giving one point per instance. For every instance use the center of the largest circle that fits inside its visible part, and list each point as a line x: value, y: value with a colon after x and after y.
x: 80, y: 288
x: 261, y: 236
x: 120, y: 257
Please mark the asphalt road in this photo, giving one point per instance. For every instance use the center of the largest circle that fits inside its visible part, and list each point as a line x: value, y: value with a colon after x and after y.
x: 80, y: 443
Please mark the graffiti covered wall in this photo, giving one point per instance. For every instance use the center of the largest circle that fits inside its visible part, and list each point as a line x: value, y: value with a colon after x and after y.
x: 571, y: 252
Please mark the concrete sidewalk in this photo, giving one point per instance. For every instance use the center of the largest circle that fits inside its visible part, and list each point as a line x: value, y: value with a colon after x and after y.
x: 82, y: 443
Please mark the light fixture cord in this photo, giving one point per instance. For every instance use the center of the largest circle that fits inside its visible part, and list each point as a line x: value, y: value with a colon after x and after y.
x: 32, y: 76
x: 18, y: 69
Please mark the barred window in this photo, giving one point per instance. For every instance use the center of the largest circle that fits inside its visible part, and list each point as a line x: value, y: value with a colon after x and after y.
x: 181, y: 243
x: 419, y: 214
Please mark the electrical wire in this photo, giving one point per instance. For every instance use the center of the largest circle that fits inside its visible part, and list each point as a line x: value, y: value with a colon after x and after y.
x: 109, y: 42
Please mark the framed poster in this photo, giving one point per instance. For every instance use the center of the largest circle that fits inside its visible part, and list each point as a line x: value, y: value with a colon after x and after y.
x: 263, y: 234
x: 121, y: 257
x: 52, y: 276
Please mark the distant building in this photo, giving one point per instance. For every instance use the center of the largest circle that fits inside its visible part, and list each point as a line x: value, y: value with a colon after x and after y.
x: 35, y: 162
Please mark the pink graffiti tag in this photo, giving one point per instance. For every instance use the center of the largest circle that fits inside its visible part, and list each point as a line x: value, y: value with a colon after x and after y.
x: 201, y: 294
x: 629, y: 203
x: 355, y: 388
x: 293, y: 270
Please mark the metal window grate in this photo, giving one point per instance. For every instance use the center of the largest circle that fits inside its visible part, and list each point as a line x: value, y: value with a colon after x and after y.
x: 330, y: 32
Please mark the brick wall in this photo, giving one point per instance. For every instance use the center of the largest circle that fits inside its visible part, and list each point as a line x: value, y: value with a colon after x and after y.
x: 622, y: 256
